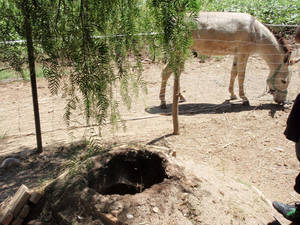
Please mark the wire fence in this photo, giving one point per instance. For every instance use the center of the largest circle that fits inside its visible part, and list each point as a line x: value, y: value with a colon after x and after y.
x: 201, y: 82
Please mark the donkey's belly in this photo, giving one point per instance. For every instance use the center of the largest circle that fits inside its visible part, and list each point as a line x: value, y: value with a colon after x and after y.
x: 213, y: 47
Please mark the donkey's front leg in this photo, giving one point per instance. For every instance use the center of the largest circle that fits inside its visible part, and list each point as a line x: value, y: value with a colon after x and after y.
x: 241, y: 78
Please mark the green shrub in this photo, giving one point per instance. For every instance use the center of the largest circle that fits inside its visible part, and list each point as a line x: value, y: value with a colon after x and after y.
x: 270, y: 12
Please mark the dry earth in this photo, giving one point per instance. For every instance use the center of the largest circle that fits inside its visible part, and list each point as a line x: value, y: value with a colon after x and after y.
x: 227, y: 140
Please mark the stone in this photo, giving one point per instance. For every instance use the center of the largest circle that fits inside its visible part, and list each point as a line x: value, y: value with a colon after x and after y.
x: 34, y: 222
x: 109, y: 219
x: 155, y: 209
x: 10, y: 163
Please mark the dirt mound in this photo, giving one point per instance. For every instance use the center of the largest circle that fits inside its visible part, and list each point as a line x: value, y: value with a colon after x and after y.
x: 140, y: 185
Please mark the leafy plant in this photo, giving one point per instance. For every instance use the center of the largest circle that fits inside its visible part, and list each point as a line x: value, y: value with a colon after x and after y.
x: 86, y: 48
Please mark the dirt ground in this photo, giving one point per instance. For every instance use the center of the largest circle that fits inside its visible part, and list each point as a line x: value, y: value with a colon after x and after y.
x: 243, y: 143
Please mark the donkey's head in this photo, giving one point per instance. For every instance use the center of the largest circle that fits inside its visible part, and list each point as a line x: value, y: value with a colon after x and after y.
x: 279, y: 79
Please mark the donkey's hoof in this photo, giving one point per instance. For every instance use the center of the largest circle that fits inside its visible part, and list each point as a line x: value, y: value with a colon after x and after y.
x: 246, y: 103
x: 233, y: 97
x: 163, y: 106
x: 182, y: 100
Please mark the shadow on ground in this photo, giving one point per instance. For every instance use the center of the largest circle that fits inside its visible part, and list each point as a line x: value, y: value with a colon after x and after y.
x: 275, y: 222
x: 208, y: 108
x: 35, y: 169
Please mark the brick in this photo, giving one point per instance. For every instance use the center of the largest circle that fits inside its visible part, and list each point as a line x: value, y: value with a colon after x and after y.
x: 6, y: 217
x: 19, y: 200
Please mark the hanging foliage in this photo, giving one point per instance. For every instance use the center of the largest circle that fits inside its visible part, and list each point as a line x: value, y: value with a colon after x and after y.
x: 174, y: 19
x: 89, y: 49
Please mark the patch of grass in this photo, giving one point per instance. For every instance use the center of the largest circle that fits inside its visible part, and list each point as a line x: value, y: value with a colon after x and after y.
x: 10, y: 74
x: 81, y: 159
x: 203, y: 58
x: 242, y: 182
x: 218, y: 58
x: 3, y: 135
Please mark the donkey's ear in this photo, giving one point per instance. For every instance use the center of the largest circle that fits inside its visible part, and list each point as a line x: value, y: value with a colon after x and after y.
x: 294, y: 61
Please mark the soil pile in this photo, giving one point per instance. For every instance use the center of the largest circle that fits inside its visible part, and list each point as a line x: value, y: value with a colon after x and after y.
x: 140, y: 185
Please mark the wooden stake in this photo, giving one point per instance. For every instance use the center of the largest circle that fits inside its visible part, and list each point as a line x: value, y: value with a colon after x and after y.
x: 175, y: 104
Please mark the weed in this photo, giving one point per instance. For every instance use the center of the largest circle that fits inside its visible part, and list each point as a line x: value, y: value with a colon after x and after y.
x: 218, y: 58
x: 3, y: 135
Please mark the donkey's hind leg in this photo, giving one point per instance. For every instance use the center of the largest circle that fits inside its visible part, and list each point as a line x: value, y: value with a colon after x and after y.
x: 232, y: 79
x: 241, y: 66
x: 181, y: 98
x: 166, y: 73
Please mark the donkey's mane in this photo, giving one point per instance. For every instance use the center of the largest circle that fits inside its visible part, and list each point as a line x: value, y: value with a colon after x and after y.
x: 284, y: 45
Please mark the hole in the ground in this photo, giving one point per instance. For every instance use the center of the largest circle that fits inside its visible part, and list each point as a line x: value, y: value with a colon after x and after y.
x: 128, y: 173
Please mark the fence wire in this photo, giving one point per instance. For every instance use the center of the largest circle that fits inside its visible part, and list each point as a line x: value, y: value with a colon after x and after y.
x: 205, y: 82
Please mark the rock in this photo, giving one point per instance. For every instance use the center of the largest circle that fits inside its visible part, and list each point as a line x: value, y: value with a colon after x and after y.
x: 10, y: 163
x: 34, y: 222
x: 155, y: 209
x: 109, y: 219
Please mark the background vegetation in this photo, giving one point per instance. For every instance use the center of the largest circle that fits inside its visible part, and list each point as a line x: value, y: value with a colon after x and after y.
x: 285, y: 12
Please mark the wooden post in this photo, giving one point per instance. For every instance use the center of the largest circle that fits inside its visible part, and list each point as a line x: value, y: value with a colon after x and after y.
x: 297, y: 37
x: 175, y: 104
x: 30, y: 50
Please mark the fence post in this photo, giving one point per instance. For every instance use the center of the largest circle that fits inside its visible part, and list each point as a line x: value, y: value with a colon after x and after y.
x: 30, y: 51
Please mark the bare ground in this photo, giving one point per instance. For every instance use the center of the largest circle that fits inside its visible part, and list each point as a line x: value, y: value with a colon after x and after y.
x: 227, y: 140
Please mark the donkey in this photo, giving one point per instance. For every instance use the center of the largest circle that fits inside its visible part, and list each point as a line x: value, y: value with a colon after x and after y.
x: 240, y: 35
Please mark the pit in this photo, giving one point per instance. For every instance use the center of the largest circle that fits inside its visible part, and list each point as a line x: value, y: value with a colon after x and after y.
x: 130, y: 172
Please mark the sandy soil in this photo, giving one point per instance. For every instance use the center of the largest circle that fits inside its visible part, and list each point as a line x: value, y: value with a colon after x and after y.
x: 240, y: 142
